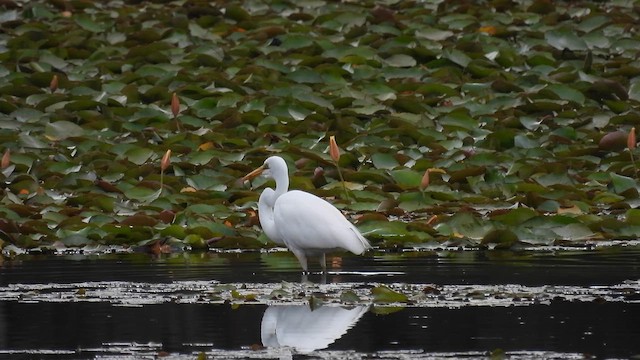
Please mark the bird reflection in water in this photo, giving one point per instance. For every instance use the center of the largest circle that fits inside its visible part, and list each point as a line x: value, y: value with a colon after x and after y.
x: 303, y: 329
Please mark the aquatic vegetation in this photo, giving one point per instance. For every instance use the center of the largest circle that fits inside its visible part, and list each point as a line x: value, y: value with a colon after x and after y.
x: 528, y: 107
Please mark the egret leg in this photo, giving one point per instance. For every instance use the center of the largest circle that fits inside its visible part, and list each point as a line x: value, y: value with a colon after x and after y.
x: 304, y: 278
x: 302, y: 258
x: 323, y: 262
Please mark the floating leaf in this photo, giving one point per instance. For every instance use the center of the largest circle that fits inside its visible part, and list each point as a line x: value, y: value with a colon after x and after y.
x: 384, y: 161
x: 574, y: 232
x: 622, y: 183
x: 567, y: 93
x: 89, y: 24
x: 139, y: 155
x: 383, y: 294
x: 500, y: 238
x: 565, y: 39
x: 349, y: 297
x: 433, y: 34
x: 142, y: 194
x: 516, y: 216
x: 407, y: 178
x: 457, y: 57
x: 61, y: 130
x: 400, y: 60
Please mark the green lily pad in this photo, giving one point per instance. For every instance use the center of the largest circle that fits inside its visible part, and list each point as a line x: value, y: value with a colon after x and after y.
x: 384, y: 161
x: 567, y: 93
x: 61, y: 130
x: 565, y: 39
x: 138, y: 155
x: 383, y: 294
x: 622, y: 183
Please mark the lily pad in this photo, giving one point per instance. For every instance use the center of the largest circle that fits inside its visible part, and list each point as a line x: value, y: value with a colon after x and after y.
x: 383, y: 294
x: 61, y: 130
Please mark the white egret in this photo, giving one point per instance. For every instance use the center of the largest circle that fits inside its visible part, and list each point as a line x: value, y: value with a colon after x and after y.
x: 306, y: 224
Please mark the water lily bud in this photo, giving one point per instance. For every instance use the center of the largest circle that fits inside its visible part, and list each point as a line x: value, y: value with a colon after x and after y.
x: 166, y: 160
x: 424, y: 183
x: 175, y: 105
x: 6, y: 159
x: 631, y: 139
x: 53, y: 85
x: 334, y: 151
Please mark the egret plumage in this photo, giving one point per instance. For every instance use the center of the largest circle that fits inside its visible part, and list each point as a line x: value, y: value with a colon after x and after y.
x: 306, y: 224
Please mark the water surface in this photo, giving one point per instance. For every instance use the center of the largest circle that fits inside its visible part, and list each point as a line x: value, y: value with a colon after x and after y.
x: 534, y: 304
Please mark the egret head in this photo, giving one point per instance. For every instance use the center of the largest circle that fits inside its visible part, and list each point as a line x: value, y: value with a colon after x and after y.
x: 273, y: 164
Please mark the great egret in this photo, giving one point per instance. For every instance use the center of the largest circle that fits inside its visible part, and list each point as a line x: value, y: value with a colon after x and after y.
x: 304, y: 223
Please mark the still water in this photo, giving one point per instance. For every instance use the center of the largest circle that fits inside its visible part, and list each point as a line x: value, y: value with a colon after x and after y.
x: 471, y: 304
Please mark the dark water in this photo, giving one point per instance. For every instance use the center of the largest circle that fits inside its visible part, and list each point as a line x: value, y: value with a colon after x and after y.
x: 59, y: 328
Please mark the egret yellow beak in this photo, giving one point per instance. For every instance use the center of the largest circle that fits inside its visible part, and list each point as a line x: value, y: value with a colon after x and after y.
x: 253, y: 174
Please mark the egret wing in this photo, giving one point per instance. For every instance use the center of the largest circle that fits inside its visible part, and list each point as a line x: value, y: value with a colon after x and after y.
x: 305, y: 221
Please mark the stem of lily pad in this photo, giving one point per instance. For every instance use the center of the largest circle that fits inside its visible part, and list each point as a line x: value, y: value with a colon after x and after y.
x: 164, y: 164
x: 161, y: 179
x: 334, y: 152
x: 631, y: 145
x: 344, y: 186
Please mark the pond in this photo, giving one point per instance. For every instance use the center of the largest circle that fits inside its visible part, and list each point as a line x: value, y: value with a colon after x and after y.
x: 551, y: 303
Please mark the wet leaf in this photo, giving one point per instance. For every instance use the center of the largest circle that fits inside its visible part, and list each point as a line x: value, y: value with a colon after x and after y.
x: 622, y: 183
x: 407, y: 178
x: 61, y: 130
x: 574, y: 232
x: 400, y: 60
x: 139, y: 155
x: 384, y: 161
x: 89, y: 24
x: 565, y: 39
x: 567, y: 93
x: 500, y: 238
x: 516, y: 216
x: 383, y: 294
x: 139, y: 220
x: 142, y: 194
x: 349, y: 297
